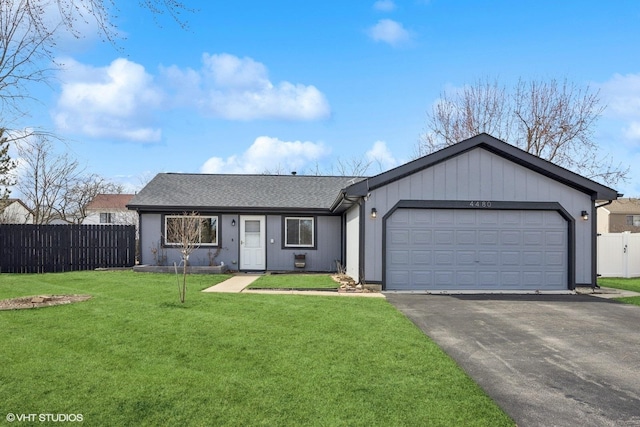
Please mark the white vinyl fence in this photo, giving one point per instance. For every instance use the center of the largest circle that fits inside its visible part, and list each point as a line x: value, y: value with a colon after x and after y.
x: 619, y: 254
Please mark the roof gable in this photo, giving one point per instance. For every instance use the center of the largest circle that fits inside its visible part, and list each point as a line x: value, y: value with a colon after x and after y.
x: 184, y: 192
x: 497, y: 147
x: 624, y: 206
x: 5, y: 203
x: 109, y: 201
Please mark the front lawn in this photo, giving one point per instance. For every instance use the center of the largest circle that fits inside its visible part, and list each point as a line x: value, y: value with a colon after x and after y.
x: 295, y: 281
x: 626, y: 284
x: 133, y: 355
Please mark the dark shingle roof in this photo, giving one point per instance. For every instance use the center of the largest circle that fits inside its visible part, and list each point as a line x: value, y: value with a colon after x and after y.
x: 169, y: 191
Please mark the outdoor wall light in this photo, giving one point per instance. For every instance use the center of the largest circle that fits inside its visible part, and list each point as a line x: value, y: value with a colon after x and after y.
x: 233, y: 222
x: 374, y: 213
x: 585, y: 215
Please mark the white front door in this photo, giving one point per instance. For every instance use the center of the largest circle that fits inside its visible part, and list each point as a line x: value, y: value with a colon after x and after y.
x: 252, y: 243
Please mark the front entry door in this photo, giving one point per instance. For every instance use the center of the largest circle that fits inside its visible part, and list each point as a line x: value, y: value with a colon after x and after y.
x: 252, y: 243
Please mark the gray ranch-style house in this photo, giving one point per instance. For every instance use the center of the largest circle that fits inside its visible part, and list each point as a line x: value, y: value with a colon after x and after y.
x: 480, y: 215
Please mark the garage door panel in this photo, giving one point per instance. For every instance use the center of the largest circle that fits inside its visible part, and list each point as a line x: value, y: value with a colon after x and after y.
x: 419, y: 258
x: 488, y: 258
x: 444, y: 258
x: 488, y: 279
x: 422, y: 278
x: 443, y: 278
x: 466, y: 258
x: 533, y: 258
x: 443, y: 237
x: 466, y: 237
x: 554, y: 238
x: 510, y: 258
x: 399, y: 259
x: 488, y: 237
x: 533, y: 238
x: 510, y: 237
x: 466, y: 277
x: 399, y: 237
x: 421, y: 237
x: 449, y: 249
x: 533, y: 278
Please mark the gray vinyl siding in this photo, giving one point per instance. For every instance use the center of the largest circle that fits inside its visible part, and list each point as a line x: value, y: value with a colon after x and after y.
x: 477, y: 175
x: 151, y: 240
x: 322, y: 258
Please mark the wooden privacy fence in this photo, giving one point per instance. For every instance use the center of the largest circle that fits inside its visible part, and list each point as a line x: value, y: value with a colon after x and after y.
x: 58, y: 248
x: 619, y: 254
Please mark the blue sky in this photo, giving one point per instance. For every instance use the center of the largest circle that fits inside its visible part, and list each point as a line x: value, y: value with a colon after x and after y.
x: 296, y: 85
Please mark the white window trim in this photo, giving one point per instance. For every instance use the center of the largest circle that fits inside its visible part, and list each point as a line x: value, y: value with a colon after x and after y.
x: 167, y: 243
x: 313, y: 231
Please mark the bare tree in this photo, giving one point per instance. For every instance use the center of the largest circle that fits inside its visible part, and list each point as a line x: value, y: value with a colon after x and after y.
x: 554, y: 120
x: 6, y: 167
x: 56, y: 187
x: 28, y: 32
x: 355, y: 166
x: 185, y: 231
x: 79, y: 192
x: 44, y: 177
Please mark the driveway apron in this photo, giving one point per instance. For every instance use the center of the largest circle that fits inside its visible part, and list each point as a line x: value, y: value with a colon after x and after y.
x: 547, y: 360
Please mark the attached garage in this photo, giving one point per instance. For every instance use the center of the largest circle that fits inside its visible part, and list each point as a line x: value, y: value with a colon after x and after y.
x: 480, y: 215
x: 476, y: 249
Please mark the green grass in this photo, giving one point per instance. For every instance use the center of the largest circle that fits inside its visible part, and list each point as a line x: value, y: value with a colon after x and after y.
x: 619, y: 283
x: 133, y: 355
x: 626, y: 284
x: 295, y: 281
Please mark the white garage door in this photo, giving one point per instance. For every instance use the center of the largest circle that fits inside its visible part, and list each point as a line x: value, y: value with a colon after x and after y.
x: 476, y: 249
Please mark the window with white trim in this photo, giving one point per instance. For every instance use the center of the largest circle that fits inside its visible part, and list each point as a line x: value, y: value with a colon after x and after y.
x: 299, y: 232
x: 207, y: 229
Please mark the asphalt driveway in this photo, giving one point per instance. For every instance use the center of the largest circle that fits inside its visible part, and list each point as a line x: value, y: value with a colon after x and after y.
x: 547, y: 360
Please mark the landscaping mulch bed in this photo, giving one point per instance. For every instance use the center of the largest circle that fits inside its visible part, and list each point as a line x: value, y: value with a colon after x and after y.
x: 40, y: 301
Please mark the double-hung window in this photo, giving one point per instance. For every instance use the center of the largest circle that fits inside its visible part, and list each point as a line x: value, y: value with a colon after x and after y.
x: 299, y: 232
x: 106, y: 218
x: 201, y: 230
x: 633, y: 220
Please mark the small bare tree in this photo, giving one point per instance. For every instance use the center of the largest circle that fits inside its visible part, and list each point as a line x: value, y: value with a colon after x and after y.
x: 553, y: 120
x: 44, y: 177
x: 6, y: 167
x: 185, y: 231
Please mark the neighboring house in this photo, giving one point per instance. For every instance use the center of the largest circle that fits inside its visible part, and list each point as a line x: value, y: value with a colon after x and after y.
x: 14, y: 211
x: 621, y: 215
x: 479, y: 215
x: 110, y: 209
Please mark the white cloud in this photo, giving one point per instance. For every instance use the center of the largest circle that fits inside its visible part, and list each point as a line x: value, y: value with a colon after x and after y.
x: 380, y: 155
x: 269, y: 154
x: 239, y: 89
x: 121, y: 99
x: 112, y: 101
x: 384, y: 5
x: 621, y: 94
x: 390, y: 32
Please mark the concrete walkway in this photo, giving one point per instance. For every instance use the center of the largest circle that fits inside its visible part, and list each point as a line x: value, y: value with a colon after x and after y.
x: 234, y: 284
x: 610, y: 293
x: 239, y: 282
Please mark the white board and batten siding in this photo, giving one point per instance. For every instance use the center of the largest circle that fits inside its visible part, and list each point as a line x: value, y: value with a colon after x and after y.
x: 619, y: 255
x: 479, y: 175
x: 352, y: 244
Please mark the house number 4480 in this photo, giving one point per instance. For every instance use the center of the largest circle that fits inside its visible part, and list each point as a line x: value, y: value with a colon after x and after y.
x: 480, y: 204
